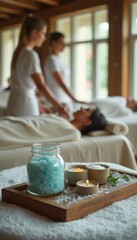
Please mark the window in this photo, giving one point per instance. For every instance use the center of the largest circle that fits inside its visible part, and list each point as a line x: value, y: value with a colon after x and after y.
x: 86, y: 53
x: 133, y: 47
x: 9, y: 40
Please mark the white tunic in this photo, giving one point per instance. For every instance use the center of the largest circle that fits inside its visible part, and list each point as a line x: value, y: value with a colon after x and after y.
x: 55, y: 64
x: 23, y: 100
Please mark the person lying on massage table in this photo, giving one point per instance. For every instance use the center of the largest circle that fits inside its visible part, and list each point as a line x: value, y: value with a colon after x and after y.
x: 88, y: 119
x: 23, y: 131
x: 115, y: 106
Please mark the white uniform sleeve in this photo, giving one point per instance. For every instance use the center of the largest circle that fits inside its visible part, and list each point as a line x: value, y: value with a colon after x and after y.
x: 54, y: 65
x: 32, y: 63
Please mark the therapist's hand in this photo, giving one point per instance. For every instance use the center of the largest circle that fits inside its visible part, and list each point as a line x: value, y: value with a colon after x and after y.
x: 62, y: 111
x: 44, y: 109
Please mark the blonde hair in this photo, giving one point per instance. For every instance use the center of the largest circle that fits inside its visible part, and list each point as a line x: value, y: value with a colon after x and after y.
x: 29, y: 24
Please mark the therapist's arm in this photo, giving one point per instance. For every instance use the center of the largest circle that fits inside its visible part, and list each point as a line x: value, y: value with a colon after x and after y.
x: 45, y: 90
x: 59, y: 79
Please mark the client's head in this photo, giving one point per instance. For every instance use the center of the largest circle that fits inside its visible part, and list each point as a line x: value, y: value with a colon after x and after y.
x: 89, y: 120
x: 132, y: 104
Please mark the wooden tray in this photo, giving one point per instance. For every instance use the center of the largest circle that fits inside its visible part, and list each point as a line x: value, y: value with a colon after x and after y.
x: 45, y: 206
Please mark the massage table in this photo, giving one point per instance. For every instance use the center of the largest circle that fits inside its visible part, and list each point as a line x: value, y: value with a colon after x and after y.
x: 18, y: 134
x: 131, y: 122
x: 117, y: 221
x: 115, y: 108
x: 109, y: 148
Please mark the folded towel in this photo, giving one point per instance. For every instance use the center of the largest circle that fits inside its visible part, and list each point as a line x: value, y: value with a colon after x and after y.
x: 116, y: 127
x: 112, y: 127
x: 98, y: 133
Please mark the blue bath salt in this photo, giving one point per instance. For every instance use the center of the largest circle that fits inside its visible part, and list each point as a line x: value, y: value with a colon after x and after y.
x: 45, y: 175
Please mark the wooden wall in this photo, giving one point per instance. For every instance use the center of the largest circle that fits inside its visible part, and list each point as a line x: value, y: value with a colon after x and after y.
x: 118, y: 37
x: 115, y: 46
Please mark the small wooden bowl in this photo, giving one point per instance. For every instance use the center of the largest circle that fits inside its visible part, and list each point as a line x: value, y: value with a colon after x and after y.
x: 99, y: 175
x: 74, y: 176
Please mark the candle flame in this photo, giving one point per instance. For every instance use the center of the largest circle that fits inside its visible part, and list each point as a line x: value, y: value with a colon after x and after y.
x: 87, y: 182
x: 78, y: 170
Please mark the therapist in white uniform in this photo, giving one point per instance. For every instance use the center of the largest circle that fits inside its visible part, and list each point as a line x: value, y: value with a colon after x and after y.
x: 26, y: 73
x: 56, y: 73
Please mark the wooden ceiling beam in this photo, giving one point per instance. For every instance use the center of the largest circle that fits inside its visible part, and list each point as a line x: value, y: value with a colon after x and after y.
x: 72, y: 7
x: 10, y: 10
x: 22, y: 3
x: 58, y: 10
x: 4, y: 16
x: 50, y: 2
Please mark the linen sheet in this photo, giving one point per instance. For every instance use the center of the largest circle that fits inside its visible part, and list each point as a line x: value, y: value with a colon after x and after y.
x: 24, y: 131
x: 110, y: 148
x: 131, y: 122
x: 112, y: 106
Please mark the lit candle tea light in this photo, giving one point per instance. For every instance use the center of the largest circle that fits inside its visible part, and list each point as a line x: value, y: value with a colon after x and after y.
x: 87, y: 187
x: 77, y: 170
x: 76, y: 173
x: 87, y: 182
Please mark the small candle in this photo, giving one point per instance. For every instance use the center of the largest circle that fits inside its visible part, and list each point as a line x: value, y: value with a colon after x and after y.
x: 77, y: 170
x: 76, y: 173
x: 86, y: 184
x: 87, y: 187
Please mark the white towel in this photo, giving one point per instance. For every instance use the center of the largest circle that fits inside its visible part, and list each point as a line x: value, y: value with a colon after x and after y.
x: 116, y: 127
x: 113, y: 127
x: 98, y: 133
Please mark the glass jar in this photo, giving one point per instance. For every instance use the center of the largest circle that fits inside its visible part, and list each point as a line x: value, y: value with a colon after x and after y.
x: 45, y: 170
